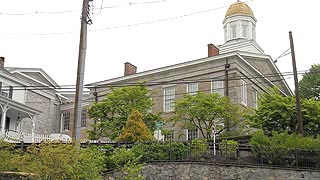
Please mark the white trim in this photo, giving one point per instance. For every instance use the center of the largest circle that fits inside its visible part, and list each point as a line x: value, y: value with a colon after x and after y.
x: 171, y: 109
x: 33, y: 70
x: 250, y: 54
x: 260, y: 73
x: 197, y: 87
x: 243, y: 92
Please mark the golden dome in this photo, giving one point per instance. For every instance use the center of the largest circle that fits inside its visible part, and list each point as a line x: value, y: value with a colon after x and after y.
x: 239, y: 8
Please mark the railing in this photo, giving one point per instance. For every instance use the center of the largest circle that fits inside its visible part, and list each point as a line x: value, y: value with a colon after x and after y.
x: 237, y: 155
x: 17, y: 137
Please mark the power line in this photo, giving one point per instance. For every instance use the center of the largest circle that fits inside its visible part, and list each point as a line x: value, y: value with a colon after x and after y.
x: 154, y: 96
x: 153, y: 83
x: 78, y: 10
x: 121, y: 26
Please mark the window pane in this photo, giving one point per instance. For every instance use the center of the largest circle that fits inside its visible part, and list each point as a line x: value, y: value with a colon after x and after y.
x: 66, y: 122
x: 217, y: 86
x: 84, y: 118
x: 254, y: 98
x: 169, y: 96
x: 192, y: 134
x: 243, y: 92
x: 192, y: 88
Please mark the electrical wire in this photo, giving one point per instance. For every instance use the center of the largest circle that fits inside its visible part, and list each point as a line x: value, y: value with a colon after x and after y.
x: 91, y: 100
x: 78, y: 10
x: 121, y: 26
x: 153, y: 83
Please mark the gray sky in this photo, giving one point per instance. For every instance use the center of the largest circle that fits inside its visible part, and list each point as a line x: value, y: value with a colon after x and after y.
x: 147, y: 33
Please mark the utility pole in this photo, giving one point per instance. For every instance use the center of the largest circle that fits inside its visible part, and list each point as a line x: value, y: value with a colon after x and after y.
x: 95, y: 94
x: 226, y: 68
x: 296, y: 86
x: 80, y: 72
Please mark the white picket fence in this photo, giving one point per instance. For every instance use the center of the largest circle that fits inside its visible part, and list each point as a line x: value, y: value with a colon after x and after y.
x: 17, y: 137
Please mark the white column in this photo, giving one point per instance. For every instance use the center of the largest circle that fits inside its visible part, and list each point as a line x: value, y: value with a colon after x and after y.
x: 33, y: 127
x: 4, y: 108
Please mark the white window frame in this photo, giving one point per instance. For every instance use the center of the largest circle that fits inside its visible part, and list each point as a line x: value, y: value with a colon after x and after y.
x: 168, y: 99
x: 233, y: 30
x: 243, y: 92
x: 66, y: 120
x: 192, y: 88
x: 217, y: 86
x: 245, y: 29
x: 254, y: 98
x: 194, y: 132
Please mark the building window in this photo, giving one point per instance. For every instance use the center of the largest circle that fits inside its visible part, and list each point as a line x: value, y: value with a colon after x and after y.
x: 253, y: 33
x: 233, y: 27
x: 84, y: 118
x: 10, y: 92
x: 243, y: 92
x: 66, y: 120
x: 217, y: 86
x: 244, y: 25
x: 254, y: 98
x: 192, y: 88
x: 192, y: 134
x: 169, y: 136
x: 169, y: 97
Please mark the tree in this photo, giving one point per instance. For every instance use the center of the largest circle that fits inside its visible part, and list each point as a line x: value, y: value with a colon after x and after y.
x: 310, y: 83
x: 278, y: 113
x: 203, y: 111
x: 112, y: 113
x: 135, y: 129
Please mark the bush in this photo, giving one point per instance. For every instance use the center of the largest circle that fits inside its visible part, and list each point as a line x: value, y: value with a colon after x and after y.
x: 62, y: 161
x: 125, y: 164
x: 8, y: 156
x: 161, y: 151
x: 229, y: 147
x: 282, y: 148
x: 199, y: 148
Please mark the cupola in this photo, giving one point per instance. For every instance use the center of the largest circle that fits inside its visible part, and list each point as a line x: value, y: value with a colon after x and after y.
x: 239, y: 22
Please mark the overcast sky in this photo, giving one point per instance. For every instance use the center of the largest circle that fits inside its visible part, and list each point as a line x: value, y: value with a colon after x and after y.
x: 147, y: 33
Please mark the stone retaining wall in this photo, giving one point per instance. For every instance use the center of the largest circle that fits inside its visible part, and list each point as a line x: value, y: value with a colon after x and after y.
x: 201, y: 171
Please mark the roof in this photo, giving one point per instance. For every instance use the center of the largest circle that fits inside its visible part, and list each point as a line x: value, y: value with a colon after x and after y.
x: 239, y: 8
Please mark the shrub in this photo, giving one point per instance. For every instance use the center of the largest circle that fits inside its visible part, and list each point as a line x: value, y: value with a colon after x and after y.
x: 229, y: 147
x: 161, y: 151
x: 8, y: 156
x: 282, y: 148
x: 199, y: 148
x: 62, y: 161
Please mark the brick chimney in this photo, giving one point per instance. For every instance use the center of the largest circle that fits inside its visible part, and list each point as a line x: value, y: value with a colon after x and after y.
x: 212, y: 50
x: 129, y: 69
x: 2, y: 62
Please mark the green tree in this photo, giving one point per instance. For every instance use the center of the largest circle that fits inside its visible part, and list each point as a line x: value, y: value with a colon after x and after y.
x: 202, y: 111
x: 310, y: 83
x: 135, y: 129
x: 112, y: 113
x: 278, y: 113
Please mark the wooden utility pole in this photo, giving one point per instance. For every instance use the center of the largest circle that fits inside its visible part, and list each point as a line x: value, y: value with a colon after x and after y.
x: 226, y: 67
x: 296, y: 86
x: 80, y: 72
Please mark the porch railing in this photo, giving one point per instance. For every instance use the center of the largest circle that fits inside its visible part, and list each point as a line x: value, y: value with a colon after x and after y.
x: 16, y: 137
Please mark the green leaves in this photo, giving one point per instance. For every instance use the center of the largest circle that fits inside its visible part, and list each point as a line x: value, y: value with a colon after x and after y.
x: 112, y: 113
x: 135, y: 129
x: 310, y: 83
x: 278, y: 113
x: 202, y: 111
